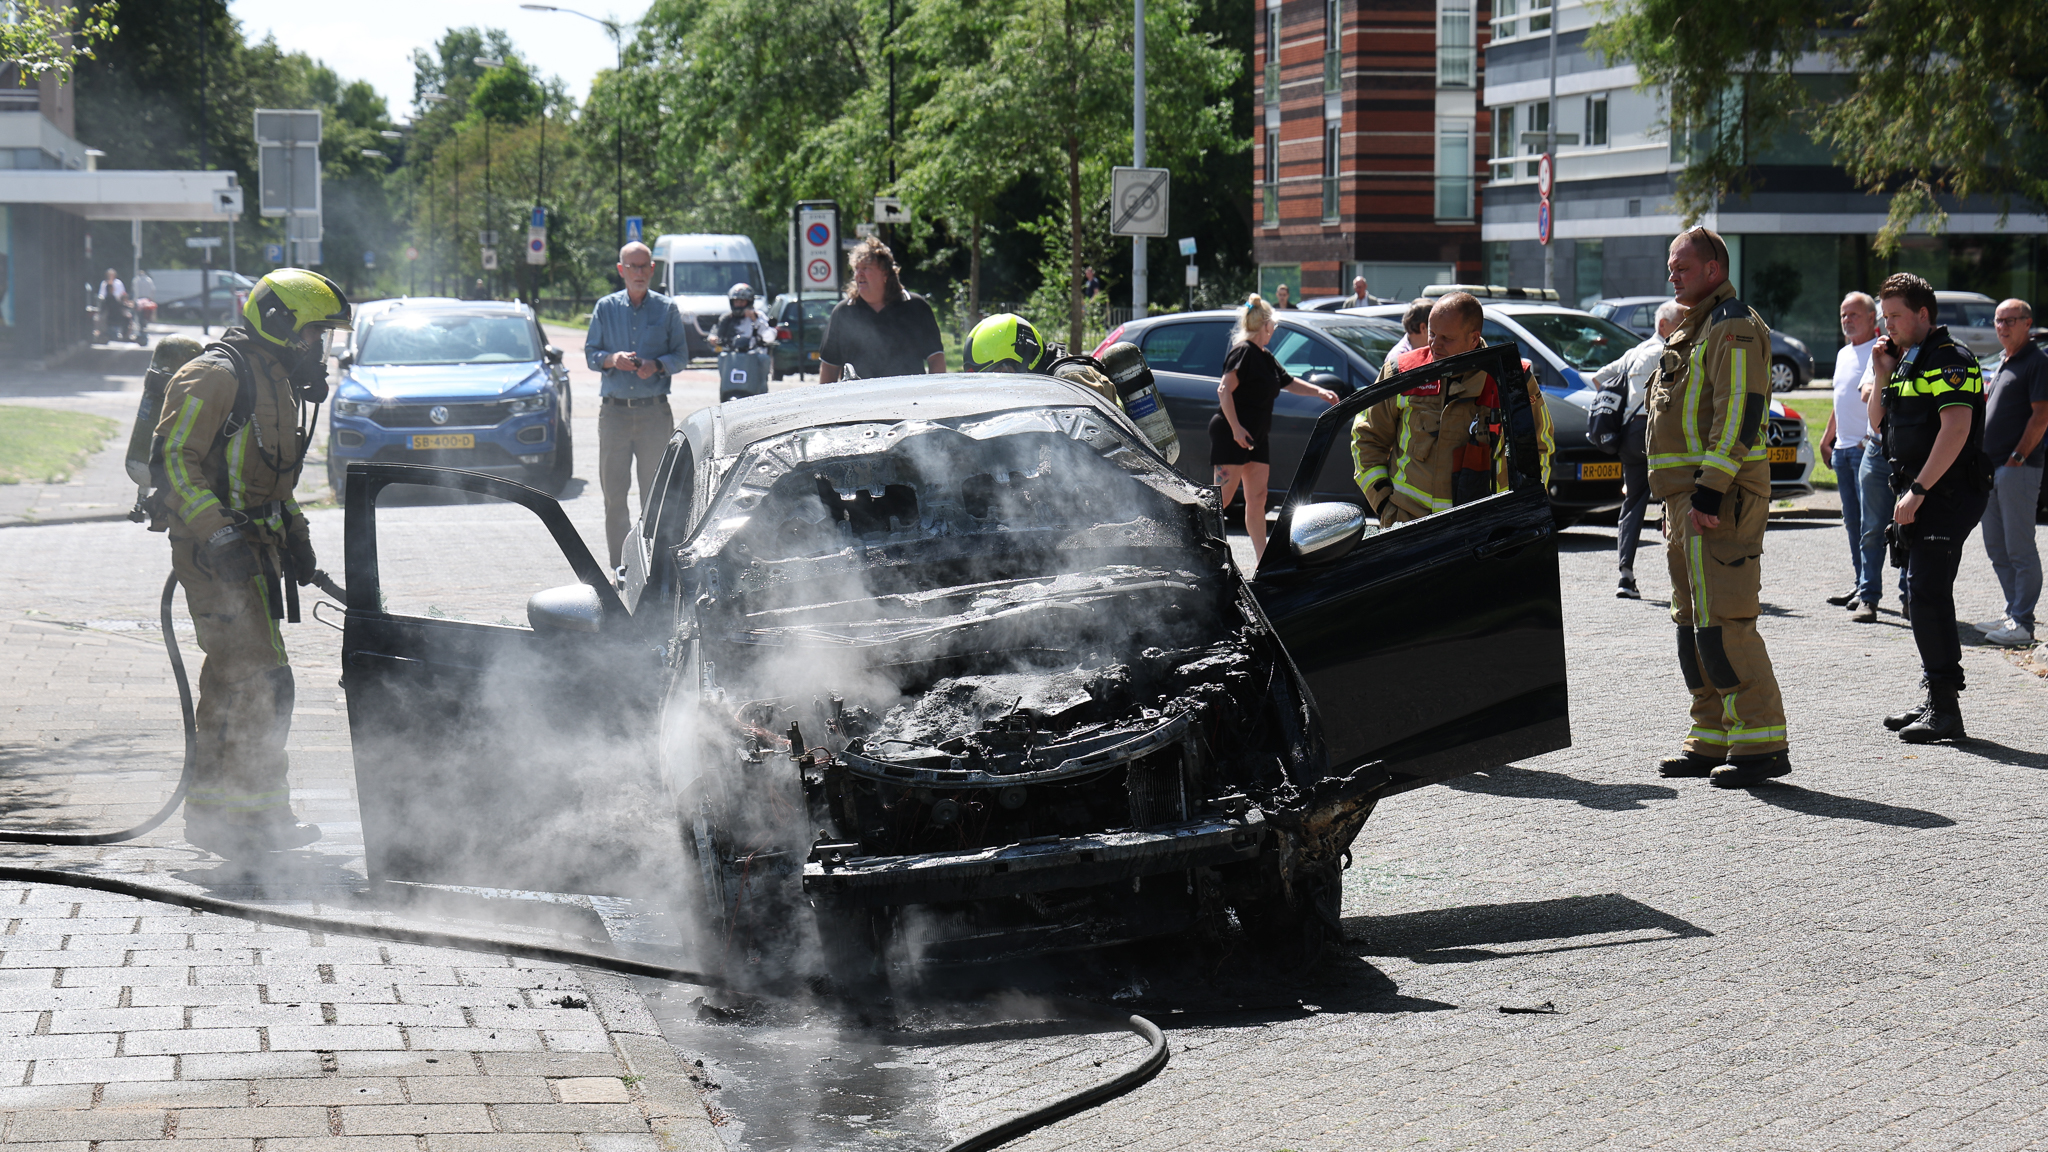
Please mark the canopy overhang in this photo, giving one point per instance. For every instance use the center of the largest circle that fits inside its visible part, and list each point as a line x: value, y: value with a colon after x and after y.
x: 121, y: 194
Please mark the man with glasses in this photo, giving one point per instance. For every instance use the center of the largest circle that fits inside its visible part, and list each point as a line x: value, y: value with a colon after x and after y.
x: 637, y: 340
x: 2015, y: 419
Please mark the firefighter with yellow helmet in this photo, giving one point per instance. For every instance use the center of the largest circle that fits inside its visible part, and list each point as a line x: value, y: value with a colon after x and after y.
x: 236, y: 423
x: 1007, y: 342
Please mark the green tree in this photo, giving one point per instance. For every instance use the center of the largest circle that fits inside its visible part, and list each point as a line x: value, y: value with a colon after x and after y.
x: 1940, y: 100
x: 35, y: 39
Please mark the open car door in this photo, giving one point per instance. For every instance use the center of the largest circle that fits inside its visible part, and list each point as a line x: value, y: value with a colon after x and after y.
x: 497, y: 754
x: 1435, y: 647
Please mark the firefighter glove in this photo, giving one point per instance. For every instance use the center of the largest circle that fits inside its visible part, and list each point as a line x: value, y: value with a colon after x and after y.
x: 299, y: 546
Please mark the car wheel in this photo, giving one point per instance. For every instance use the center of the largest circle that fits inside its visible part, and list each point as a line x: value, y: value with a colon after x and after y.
x: 1784, y: 375
x: 337, y: 476
x: 563, y: 468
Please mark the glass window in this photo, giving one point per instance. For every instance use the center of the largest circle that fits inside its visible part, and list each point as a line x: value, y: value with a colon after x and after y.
x: 1584, y: 342
x: 712, y: 277
x: 1504, y: 22
x: 1194, y: 348
x: 445, y: 339
x: 1302, y: 355
x: 1454, y: 52
x: 1596, y: 121
x: 1371, y: 341
x: 1504, y: 145
x: 1498, y: 265
x: 1333, y: 140
x: 1965, y: 313
x: 1539, y: 121
x: 1454, y: 169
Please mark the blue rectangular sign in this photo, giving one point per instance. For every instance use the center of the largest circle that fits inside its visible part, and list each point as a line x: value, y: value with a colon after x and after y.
x: 634, y: 226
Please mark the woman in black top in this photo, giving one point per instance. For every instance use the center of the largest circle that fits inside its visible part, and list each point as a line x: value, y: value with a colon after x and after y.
x: 1240, y: 434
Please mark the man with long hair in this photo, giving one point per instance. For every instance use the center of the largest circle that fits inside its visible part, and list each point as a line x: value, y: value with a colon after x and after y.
x: 881, y: 328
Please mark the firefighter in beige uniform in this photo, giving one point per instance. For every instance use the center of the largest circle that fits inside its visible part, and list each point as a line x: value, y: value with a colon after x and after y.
x: 1709, y: 412
x: 232, y: 445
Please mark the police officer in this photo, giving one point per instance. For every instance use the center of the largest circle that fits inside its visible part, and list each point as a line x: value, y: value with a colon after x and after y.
x: 1928, y: 405
x: 1441, y: 444
x: 234, y: 434
x: 1709, y: 412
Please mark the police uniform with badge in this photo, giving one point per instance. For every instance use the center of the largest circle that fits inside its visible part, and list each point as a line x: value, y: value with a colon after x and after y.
x: 1709, y: 415
x: 1933, y: 376
x: 230, y: 445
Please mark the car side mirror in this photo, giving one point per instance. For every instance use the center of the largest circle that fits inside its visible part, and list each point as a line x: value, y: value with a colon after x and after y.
x: 1333, y: 382
x: 570, y: 608
x: 346, y: 360
x: 552, y: 354
x: 1324, y: 532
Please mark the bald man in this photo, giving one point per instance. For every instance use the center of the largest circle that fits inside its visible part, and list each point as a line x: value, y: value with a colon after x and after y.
x: 637, y: 340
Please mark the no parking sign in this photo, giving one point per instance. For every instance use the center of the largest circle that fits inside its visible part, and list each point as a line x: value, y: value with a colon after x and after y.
x: 818, y: 249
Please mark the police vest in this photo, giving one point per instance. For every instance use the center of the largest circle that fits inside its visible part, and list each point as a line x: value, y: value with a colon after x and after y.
x: 1936, y: 374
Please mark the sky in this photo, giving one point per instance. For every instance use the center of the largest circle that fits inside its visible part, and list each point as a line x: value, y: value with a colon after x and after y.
x: 374, y: 39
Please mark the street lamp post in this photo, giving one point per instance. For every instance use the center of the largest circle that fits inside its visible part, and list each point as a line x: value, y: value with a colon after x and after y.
x: 490, y: 204
x: 455, y: 203
x: 618, y: 138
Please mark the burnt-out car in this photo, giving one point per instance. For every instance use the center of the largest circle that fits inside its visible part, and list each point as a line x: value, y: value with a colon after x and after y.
x: 957, y: 665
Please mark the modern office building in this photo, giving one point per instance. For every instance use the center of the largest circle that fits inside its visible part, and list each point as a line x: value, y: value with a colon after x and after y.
x: 1370, y: 142
x: 1801, y: 240
x: 50, y: 185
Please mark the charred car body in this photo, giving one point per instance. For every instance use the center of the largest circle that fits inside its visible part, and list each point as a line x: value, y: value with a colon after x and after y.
x: 958, y: 663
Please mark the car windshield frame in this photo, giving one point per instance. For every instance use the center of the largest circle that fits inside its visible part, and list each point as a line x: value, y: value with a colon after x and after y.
x: 1547, y: 327
x: 370, y: 355
x: 730, y: 272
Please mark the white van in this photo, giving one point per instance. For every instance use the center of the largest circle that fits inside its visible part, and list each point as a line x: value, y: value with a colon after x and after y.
x: 697, y: 271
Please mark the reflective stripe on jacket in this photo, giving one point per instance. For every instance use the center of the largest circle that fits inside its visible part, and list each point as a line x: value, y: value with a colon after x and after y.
x: 1406, y: 448
x: 1937, y: 373
x: 207, y: 472
x: 1710, y: 400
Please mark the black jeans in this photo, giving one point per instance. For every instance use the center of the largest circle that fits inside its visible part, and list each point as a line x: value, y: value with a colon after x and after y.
x: 1635, y: 490
x: 1934, y: 548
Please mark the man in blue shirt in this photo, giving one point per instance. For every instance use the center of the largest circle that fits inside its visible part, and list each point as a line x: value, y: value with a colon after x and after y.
x: 637, y: 340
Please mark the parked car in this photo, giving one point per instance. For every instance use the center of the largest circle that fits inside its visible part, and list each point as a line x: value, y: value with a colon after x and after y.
x: 1185, y: 351
x: 955, y: 665
x: 1791, y: 360
x: 182, y: 294
x: 1968, y: 317
x: 783, y: 315
x: 469, y: 383
x: 697, y: 271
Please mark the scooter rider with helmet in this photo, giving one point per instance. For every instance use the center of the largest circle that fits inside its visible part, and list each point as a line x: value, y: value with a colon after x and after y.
x: 233, y: 437
x: 742, y: 329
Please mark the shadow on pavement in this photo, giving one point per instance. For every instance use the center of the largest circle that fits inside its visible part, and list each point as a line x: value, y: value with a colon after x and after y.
x: 1998, y: 753
x: 1513, y: 781
x: 1834, y: 807
x: 1457, y: 935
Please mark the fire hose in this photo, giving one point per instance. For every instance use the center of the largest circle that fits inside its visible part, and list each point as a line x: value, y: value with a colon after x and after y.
x: 1155, y: 1057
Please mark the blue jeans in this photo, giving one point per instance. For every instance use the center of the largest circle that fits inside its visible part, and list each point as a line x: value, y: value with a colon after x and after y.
x: 1874, y: 503
x: 1848, y: 464
x: 2009, y: 540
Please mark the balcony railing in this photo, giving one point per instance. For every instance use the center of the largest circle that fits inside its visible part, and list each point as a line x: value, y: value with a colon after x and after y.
x: 1454, y: 197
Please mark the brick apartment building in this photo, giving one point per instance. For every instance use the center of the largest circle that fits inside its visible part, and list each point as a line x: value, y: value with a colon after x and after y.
x: 1370, y: 143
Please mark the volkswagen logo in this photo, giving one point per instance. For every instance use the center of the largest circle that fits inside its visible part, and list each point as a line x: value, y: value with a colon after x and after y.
x: 438, y: 413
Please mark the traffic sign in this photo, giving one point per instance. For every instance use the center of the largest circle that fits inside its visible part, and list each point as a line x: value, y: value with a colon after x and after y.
x: 536, y: 245
x: 369, y: 258
x: 227, y: 201
x: 818, y: 249
x: 1187, y: 246
x: 540, y: 216
x: 1543, y: 221
x: 273, y: 253
x: 636, y: 226
x: 287, y: 162
x: 411, y: 253
x: 489, y: 258
x: 1137, y: 201
x: 202, y: 241
x: 487, y: 237
x: 890, y: 210
x: 1543, y: 170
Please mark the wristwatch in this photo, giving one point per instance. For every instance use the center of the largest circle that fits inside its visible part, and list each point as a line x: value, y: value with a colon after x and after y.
x: 1916, y: 489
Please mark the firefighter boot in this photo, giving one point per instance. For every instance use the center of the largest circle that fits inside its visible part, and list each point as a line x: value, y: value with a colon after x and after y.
x: 1746, y: 771
x: 1687, y: 764
x: 273, y: 830
x: 1898, y: 720
x: 1942, y: 720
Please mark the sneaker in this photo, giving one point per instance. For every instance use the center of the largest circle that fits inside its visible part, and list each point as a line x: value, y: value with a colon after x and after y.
x: 1989, y: 626
x: 1864, y: 614
x: 1626, y: 589
x: 2010, y: 636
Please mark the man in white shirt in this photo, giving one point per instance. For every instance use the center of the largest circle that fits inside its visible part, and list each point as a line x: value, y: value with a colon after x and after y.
x: 1847, y: 443
x: 1415, y: 326
x: 1636, y: 366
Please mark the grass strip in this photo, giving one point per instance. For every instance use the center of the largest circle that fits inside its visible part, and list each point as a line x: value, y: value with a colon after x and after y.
x: 46, y: 445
